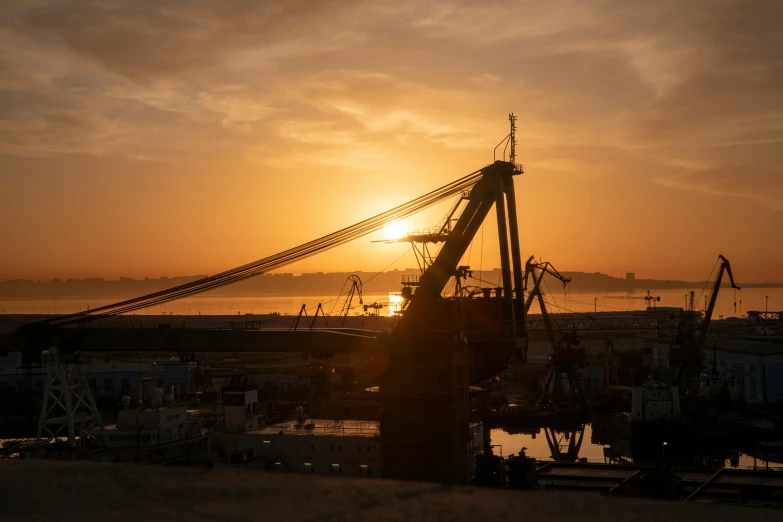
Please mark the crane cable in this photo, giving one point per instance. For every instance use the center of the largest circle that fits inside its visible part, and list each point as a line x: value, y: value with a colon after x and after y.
x: 272, y: 262
x: 704, y: 288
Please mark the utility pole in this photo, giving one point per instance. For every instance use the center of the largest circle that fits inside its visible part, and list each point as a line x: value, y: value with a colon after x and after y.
x: 766, y: 304
x: 595, y: 304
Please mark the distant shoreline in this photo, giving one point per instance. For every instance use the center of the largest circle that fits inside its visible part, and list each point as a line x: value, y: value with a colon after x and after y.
x: 283, y: 285
x: 228, y: 295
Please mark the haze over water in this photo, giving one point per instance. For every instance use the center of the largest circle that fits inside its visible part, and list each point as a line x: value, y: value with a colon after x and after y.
x: 748, y: 299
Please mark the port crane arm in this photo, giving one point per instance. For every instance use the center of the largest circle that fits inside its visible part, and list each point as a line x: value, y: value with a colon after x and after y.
x: 725, y: 267
x: 494, y: 188
x: 487, y: 191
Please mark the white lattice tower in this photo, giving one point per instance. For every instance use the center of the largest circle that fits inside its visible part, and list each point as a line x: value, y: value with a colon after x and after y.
x: 68, y: 406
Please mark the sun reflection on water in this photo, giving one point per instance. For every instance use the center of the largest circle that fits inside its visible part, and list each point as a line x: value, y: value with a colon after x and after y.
x: 395, y: 303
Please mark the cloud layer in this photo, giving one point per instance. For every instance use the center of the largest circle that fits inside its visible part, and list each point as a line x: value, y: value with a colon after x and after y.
x: 682, y: 97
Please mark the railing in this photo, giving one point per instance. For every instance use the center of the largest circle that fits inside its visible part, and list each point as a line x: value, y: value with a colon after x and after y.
x: 411, y: 280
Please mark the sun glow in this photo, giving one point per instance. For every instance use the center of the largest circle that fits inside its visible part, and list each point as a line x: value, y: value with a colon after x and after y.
x: 394, y: 230
x: 395, y: 303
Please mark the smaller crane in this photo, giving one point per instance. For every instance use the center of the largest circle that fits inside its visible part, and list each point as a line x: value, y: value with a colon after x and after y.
x: 535, y: 292
x: 686, y: 355
x: 355, y: 288
x: 690, y: 304
x: 649, y: 298
x: 725, y: 267
x: 347, y: 296
x: 374, y: 309
x: 565, y: 357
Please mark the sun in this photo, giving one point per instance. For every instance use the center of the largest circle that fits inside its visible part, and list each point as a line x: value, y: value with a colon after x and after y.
x: 394, y: 230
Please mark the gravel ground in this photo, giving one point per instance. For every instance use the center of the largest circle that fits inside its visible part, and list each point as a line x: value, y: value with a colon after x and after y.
x: 65, y: 491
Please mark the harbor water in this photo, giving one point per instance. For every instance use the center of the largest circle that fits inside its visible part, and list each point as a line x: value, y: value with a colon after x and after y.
x: 730, y: 303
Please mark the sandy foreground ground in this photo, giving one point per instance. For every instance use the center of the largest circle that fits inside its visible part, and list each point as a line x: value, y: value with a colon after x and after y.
x: 65, y: 491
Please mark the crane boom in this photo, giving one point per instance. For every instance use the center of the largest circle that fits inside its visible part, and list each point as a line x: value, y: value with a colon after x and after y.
x: 486, y: 192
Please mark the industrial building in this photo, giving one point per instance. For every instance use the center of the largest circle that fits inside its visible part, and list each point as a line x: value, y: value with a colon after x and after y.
x: 749, y: 369
x: 752, y: 368
x: 108, y: 379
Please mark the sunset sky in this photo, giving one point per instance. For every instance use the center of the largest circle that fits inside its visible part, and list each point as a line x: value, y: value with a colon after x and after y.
x: 173, y: 138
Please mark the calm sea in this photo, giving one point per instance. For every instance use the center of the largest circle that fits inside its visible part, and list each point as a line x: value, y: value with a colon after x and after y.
x: 730, y: 303
x: 538, y: 447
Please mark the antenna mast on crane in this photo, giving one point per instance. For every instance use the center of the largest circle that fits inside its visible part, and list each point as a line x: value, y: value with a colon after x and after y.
x: 512, y: 139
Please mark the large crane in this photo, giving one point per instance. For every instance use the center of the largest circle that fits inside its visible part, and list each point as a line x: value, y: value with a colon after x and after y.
x: 437, y: 349
x: 442, y: 345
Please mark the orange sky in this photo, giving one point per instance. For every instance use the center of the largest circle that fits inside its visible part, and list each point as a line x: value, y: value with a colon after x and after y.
x: 140, y: 140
